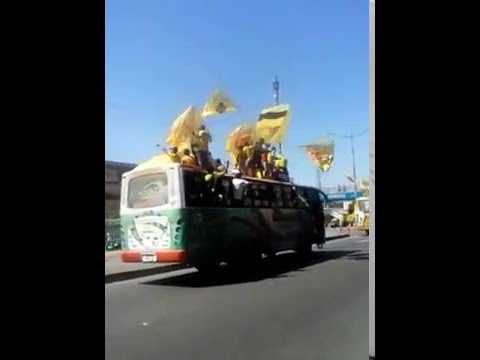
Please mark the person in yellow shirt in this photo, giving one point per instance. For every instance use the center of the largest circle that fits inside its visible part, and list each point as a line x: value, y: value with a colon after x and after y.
x: 173, y: 154
x: 201, y: 142
x: 271, y: 157
x: 280, y: 171
x: 188, y: 160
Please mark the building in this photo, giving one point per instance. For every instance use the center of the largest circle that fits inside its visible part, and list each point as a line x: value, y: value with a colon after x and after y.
x: 338, y: 189
x: 113, y: 180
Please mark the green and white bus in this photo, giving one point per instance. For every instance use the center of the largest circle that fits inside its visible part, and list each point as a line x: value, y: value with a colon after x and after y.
x: 170, y: 214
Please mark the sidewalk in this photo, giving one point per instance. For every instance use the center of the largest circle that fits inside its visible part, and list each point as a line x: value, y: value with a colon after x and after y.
x: 116, y: 270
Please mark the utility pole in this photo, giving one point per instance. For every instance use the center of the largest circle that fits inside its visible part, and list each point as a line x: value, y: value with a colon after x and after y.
x: 352, y: 137
x: 276, y: 96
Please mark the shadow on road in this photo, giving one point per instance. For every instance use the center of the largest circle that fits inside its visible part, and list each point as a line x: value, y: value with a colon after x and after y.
x: 275, y: 268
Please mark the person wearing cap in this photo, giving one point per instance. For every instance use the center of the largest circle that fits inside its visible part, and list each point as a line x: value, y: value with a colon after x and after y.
x: 239, y: 187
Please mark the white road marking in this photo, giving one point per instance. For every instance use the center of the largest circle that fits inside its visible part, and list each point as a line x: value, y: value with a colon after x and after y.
x: 366, y: 240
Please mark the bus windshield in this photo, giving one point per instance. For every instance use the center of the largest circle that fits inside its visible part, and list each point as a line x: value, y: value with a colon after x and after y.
x: 148, y: 191
x: 363, y: 205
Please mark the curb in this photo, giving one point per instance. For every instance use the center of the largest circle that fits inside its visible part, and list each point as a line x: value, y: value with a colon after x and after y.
x: 129, y: 275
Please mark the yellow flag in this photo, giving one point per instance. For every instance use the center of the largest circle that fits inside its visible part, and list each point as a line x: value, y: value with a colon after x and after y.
x: 182, y: 128
x: 272, y: 123
x: 325, y: 162
x: 240, y: 136
x: 321, y: 153
x: 218, y: 103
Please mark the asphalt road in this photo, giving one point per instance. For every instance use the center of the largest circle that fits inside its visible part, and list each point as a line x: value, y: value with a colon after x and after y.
x: 286, y: 311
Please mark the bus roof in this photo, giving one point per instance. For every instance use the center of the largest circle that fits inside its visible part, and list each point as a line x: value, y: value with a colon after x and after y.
x: 200, y: 170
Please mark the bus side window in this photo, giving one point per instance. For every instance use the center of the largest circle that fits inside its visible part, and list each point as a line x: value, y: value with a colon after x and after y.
x: 247, y: 201
x: 287, y: 196
x: 227, y: 192
x: 255, y: 195
x: 265, y: 195
x: 278, y: 196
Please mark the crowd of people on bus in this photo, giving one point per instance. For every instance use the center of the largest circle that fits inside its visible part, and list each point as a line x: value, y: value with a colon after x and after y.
x: 261, y: 160
x: 254, y: 158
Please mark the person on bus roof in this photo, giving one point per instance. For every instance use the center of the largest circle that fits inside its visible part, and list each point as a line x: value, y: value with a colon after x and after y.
x: 173, y: 154
x: 220, y: 169
x: 201, y: 141
x: 256, y: 164
x: 280, y: 168
x: 239, y: 187
x: 188, y: 159
x: 264, y: 157
x: 271, y: 156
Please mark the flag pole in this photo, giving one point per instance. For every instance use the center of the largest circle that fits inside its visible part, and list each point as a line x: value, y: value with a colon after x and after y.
x: 276, y: 96
x: 319, y: 178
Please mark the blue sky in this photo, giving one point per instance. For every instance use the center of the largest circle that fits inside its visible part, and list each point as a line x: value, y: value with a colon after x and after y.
x: 163, y: 55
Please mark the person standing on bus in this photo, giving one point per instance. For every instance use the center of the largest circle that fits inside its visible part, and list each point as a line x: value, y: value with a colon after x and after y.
x: 241, y: 160
x: 264, y: 157
x: 271, y: 157
x: 257, y: 165
x: 201, y: 141
x: 239, y: 187
x: 248, y: 150
x: 188, y: 159
x: 281, y: 171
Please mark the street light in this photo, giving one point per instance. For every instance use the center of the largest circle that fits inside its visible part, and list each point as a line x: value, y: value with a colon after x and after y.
x: 352, y: 137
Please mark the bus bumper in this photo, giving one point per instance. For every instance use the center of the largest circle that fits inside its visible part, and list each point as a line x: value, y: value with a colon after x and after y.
x: 157, y: 256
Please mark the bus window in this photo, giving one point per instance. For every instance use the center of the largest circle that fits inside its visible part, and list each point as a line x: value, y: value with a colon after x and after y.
x: 148, y: 191
x: 364, y: 206
x: 254, y: 193
x: 265, y: 196
x: 278, y: 196
x: 287, y: 196
x: 225, y: 191
x: 196, y: 190
x: 323, y: 198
